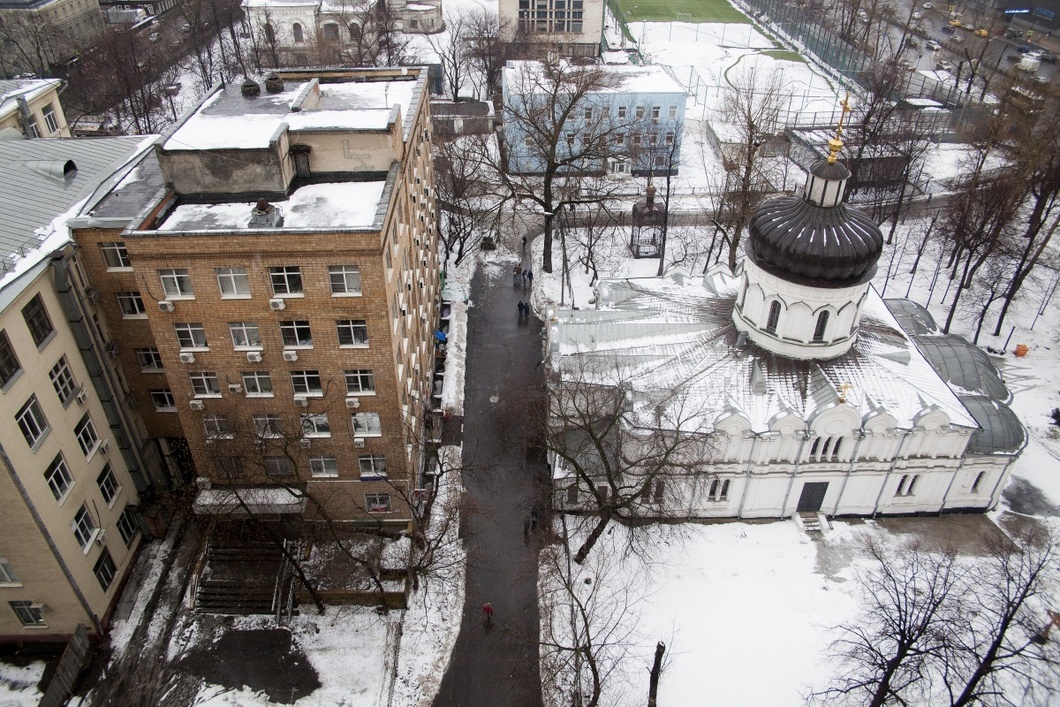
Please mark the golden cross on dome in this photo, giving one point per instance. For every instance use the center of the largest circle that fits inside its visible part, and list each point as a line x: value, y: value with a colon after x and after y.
x: 843, y: 390
x: 836, y: 143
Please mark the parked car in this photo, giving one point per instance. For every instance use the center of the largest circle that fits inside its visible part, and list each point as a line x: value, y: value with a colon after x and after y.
x: 933, y: 45
x: 948, y: 30
x: 928, y: 6
x: 982, y: 32
x: 918, y: 15
x: 1023, y: 49
x: 944, y: 66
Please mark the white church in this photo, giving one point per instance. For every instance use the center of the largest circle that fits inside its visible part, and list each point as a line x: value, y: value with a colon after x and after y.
x: 816, y: 395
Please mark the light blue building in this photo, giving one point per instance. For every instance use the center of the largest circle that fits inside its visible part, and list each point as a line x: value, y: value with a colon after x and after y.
x: 627, y: 122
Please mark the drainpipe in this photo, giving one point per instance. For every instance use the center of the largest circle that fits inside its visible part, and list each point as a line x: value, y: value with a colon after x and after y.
x: 859, y: 437
x: 747, y: 475
x: 949, y: 486
x: 906, y: 433
x: 807, y: 434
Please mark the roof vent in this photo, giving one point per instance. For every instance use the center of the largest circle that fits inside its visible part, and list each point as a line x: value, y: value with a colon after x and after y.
x: 250, y: 88
x: 265, y: 215
x: 56, y: 169
x: 273, y: 83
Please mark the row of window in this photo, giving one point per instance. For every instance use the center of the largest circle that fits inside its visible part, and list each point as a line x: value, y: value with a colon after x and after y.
x: 821, y: 325
x: 350, y: 333
x: 40, y: 328
x: 655, y: 491
x: 372, y: 467
x: 34, y: 426
x: 51, y: 120
x: 205, y: 384
x: 270, y: 425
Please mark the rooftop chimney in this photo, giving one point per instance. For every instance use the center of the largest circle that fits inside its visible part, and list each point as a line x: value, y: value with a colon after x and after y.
x: 273, y: 83
x: 265, y: 215
x: 250, y: 88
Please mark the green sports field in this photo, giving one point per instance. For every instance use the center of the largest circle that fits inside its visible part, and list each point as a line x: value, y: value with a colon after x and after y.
x: 668, y: 11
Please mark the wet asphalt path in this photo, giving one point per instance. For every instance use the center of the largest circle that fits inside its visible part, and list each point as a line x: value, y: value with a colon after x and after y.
x: 505, y: 476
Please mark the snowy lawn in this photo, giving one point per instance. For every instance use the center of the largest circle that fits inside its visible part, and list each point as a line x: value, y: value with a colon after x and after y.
x: 18, y: 684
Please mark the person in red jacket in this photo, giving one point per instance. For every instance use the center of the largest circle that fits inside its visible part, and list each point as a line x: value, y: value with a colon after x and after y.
x: 487, y: 613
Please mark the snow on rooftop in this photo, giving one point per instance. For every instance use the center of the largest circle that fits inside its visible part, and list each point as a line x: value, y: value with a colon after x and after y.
x: 334, y: 205
x: 632, y: 79
x: 372, y: 118
x: 224, y: 132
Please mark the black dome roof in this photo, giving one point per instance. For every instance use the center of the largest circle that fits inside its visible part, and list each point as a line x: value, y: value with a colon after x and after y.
x: 826, y: 247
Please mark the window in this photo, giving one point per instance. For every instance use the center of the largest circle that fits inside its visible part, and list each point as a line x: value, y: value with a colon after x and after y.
x: 373, y: 466
x: 719, y: 490
x: 670, y: 138
x: 366, y: 424
x: 652, y: 138
x: 278, y: 467
x: 640, y: 112
x: 49, y: 119
x: 233, y: 282
x: 9, y: 364
x: 131, y: 305
x: 86, y: 435
x: 673, y: 112
x: 32, y: 422
x: 622, y: 110
x: 176, y: 283
x: 299, y: 35
x: 345, y: 279
x: 38, y: 321
x: 907, y: 485
x: 331, y: 32
x: 570, y: 141
x: 774, y: 317
x: 528, y: 143
x: 306, y: 383
x: 7, y: 572
x: 377, y: 502
x: 63, y: 380
x: 355, y: 32
x: 58, y: 477
x: 296, y: 334
x: 572, y: 494
x: 108, y: 484
x: 217, y: 427
x: 83, y: 527
x: 588, y: 114
x: 653, y: 491
x: 316, y: 425
x: 257, y: 383
x: 822, y: 324
x: 190, y: 335
x: 978, y: 481
x: 655, y: 112
x: 204, y: 383
x: 104, y: 569
x: 636, y: 138
x: 228, y: 467
x: 32, y: 129
x: 352, y: 332
x: 149, y: 359
x: 245, y: 335
x: 359, y: 382
x: 267, y: 425
x: 620, y: 139
x: 286, y: 280
x: 163, y: 400
x: 28, y: 613
x: 835, y: 449
x: 127, y: 525
x: 326, y: 467
x: 115, y: 255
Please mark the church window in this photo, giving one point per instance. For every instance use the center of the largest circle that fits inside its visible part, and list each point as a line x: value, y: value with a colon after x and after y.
x: 299, y: 35
x: 907, y: 485
x: 270, y: 33
x: 978, y: 480
x: 835, y: 449
x: 331, y: 32
x: 822, y: 324
x: 815, y: 447
x: 824, y: 450
x: 355, y: 32
x: 719, y: 490
x: 774, y: 317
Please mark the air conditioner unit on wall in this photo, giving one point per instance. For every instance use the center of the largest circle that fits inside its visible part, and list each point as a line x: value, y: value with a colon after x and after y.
x: 104, y: 446
x: 165, y: 305
x: 187, y: 358
x: 196, y: 404
x: 353, y: 403
x: 101, y: 537
x: 254, y: 356
x: 301, y: 402
x: 235, y: 388
x: 277, y: 304
x: 290, y: 355
x: 92, y: 294
x: 306, y: 443
x: 358, y: 442
x: 82, y: 396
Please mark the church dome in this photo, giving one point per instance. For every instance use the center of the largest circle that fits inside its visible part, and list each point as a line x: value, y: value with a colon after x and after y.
x: 815, y: 239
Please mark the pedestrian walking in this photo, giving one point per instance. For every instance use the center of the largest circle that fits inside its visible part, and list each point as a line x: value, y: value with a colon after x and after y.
x: 529, y: 276
x: 524, y: 244
x: 487, y: 614
x: 516, y: 272
x: 522, y: 309
x: 533, y: 520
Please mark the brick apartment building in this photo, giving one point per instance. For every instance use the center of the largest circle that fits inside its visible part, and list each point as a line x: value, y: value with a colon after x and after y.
x: 268, y: 280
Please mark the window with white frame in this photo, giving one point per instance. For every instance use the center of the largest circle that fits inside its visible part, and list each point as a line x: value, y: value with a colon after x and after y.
x: 286, y: 280
x: 105, y: 570
x: 719, y: 490
x: 131, y: 305
x: 366, y: 424
x: 907, y: 485
x: 267, y: 425
x: 108, y: 484
x: 83, y: 527
x: 28, y: 612
x: 38, y: 321
x: 257, y: 383
x: 32, y: 422
x: 63, y: 380
x: 377, y: 502
x: 115, y: 255
x: 7, y: 572
x: 640, y: 112
x: 127, y: 525
x: 9, y: 364
x: 190, y: 335
x: 352, y: 332
x: 570, y: 141
x: 656, y: 111
x: 670, y: 137
x: 296, y: 334
x: 587, y: 113
x: 622, y: 111
x: 324, y: 467
x: 150, y: 360
x: 245, y: 335
x: 373, y: 466
x: 331, y: 32
x: 672, y: 112
x: 87, y: 438
x: 619, y: 139
x: 306, y: 383
x: 360, y: 382
x: 176, y: 283
x: 528, y: 142
x: 32, y: 129
x: 233, y: 283
x: 49, y: 119
x: 316, y: 424
x: 204, y: 384
x: 58, y: 477
x: 345, y: 280
x: 637, y: 137
x: 279, y: 467
x: 217, y: 426
x: 163, y: 400
x: 653, y: 491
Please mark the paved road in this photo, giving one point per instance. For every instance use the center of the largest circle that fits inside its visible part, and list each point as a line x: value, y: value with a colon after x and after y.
x: 505, y: 478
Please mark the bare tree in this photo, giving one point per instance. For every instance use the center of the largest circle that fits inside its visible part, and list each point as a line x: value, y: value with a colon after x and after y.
x: 466, y: 201
x: 453, y: 48
x: 489, y: 46
x: 29, y: 44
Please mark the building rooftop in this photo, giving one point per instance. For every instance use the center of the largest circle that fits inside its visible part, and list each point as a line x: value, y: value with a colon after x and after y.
x: 11, y: 89
x: 231, y: 121
x: 631, y: 79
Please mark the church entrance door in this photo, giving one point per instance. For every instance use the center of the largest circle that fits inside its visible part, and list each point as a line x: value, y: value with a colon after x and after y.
x: 812, y: 497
